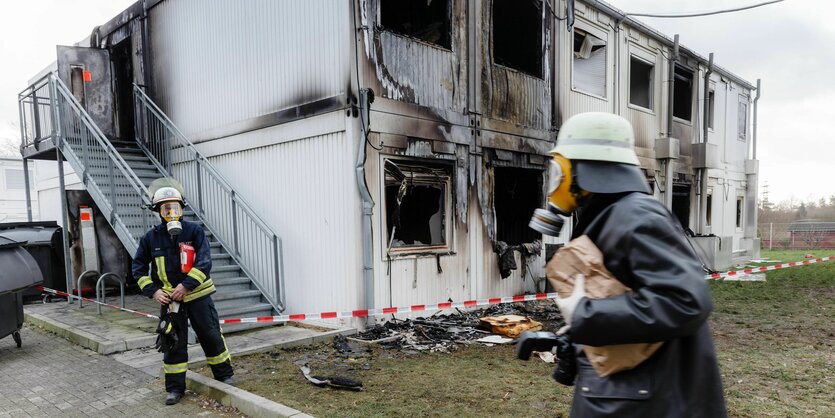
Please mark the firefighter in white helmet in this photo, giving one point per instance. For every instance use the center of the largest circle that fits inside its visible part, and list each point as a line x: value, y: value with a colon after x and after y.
x: 179, y: 279
x: 595, y: 175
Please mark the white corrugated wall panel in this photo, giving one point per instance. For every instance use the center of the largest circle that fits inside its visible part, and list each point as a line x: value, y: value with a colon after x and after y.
x: 306, y: 191
x: 218, y: 62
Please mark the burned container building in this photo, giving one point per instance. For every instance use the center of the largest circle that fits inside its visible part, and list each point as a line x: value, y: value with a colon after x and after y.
x: 373, y: 153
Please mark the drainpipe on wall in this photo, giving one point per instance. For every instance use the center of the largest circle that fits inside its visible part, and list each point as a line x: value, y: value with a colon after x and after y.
x: 366, y: 98
x: 703, y: 171
x: 668, y: 172
x: 754, y: 137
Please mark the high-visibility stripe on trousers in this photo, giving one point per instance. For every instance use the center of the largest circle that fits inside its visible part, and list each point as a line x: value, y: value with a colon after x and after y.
x: 202, y: 315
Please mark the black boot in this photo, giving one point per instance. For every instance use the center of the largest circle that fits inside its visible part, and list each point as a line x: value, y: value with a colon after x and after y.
x: 228, y: 380
x: 173, y: 398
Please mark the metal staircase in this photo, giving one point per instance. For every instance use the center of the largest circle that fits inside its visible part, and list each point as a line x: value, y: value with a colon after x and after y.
x: 246, y: 254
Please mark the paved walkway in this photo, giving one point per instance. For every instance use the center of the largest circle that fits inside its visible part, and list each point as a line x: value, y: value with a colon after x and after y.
x: 50, y: 377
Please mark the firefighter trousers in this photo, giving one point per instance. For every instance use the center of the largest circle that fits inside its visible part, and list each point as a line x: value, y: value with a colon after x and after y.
x: 204, y: 320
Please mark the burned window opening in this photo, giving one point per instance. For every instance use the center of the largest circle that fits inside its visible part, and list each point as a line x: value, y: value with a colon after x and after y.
x: 426, y: 20
x: 640, y: 82
x: 517, y: 35
x: 683, y: 94
x: 517, y: 192
x: 589, y: 63
x: 416, y: 204
x: 681, y: 204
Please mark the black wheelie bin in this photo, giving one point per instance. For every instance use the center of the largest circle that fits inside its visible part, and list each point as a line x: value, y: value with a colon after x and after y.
x: 19, y: 271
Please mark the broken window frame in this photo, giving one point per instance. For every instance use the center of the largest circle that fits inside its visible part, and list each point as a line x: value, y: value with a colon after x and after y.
x: 540, y: 64
x: 427, y: 171
x: 692, y: 80
x: 449, y: 25
x: 601, y: 37
x: 742, y: 118
x: 650, y: 83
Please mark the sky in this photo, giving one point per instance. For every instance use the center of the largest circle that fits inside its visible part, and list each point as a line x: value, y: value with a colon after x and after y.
x: 788, y: 45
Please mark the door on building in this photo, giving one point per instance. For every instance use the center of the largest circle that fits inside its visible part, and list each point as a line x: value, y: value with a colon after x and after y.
x: 86, y: 72
x: 121, y: 57
x: 681, y: 204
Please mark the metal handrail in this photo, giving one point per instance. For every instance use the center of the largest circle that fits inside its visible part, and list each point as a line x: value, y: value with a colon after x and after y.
x: 231, y: 219
x: 86, y: 148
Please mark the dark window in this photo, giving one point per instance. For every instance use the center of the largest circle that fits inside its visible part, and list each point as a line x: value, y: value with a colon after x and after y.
x: 416, y: 196
x: 426, y: 20
x: 517, y: 35
x: 517, y: 192
x: 708, y: 209
x: 739, y: 212
x: 640, y: 82
x: 681, y: 204
x: 683, y: 94
x: 589, y: 63
x: 711, y: 99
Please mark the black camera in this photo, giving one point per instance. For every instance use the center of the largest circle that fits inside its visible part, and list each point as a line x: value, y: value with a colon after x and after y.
x: 531, y: 341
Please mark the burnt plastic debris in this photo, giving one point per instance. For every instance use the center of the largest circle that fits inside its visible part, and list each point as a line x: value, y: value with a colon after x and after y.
x: 443, y: 333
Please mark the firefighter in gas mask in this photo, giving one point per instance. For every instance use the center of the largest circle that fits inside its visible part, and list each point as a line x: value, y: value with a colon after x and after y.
x: 595, y: 176
x: 178, y: 278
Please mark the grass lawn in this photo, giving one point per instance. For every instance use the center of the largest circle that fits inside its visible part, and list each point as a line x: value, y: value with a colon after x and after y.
x: 774, y: 339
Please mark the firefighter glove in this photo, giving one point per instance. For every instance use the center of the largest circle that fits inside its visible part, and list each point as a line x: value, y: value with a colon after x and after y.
x: 568, y: 304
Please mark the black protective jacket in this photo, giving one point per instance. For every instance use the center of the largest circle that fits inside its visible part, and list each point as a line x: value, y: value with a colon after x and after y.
x: 645, y: 248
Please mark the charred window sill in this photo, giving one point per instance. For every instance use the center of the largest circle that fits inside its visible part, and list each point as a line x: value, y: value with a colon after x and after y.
x: 382, y: 29
x: 418, y: 253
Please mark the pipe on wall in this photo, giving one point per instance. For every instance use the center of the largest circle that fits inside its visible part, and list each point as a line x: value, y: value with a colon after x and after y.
x: 754, y: 137
x: 668, y: 172
x: 702, y: 212
x: 365, y: 100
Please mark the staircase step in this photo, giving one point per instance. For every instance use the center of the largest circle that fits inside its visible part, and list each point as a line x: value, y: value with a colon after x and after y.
x: 232, y: 284
x: 221, y: 259
x: 257, y: 309
x: 236, y: 299
x: 130, y: 151
x: 231, y: 270
x: 122, y: 143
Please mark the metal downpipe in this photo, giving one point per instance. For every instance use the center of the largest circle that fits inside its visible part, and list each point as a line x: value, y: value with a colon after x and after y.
x: 668, y: 172
x: 703, y: 170
x: 754, y: 138
x: 365, y: 99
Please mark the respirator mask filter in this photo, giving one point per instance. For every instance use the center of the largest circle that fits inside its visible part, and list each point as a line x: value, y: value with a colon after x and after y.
x: 561, y: 199
x: 171, y: 212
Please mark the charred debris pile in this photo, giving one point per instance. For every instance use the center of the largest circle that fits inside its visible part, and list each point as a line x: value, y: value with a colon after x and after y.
x: 446, y: 332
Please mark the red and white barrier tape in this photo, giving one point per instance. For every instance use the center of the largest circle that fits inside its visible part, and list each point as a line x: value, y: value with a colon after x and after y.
x: 65, y: 294
x: 755, y: 270
x: 363, y: 313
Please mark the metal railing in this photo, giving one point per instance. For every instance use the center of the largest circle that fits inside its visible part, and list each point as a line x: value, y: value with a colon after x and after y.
x: 34, y: 104
x: 249, y: 240
x: 49, y: 111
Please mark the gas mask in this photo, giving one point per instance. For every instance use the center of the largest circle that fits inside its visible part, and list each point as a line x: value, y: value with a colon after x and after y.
x: 562, y: 198
x: 171, y: 212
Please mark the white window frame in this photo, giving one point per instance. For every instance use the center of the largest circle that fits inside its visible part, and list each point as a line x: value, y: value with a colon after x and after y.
x: 693, y: 90
x: 599, y: 34
x: 712, y: 108
x: 742, y: 128
x: 649, y: 59
x: 740, y: 205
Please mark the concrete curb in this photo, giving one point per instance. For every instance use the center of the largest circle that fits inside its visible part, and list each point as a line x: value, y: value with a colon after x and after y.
x: 86, y: 339
x: 246, y: 402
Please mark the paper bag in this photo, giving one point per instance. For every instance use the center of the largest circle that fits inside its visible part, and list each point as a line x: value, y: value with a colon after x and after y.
x: 582, y: 256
